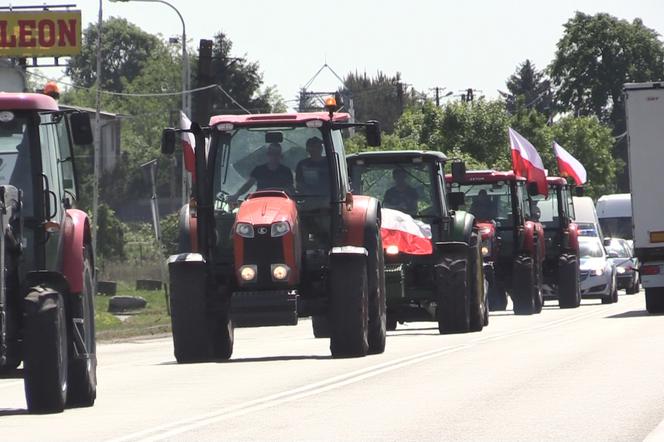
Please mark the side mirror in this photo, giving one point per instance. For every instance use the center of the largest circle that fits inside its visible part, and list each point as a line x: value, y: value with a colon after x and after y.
x: 373, y: 134
x: 81, y: 130
x: 168, y: 141
x: 532, y: 189
x: 579, y: 191
x: 456, y: 199
x: 458, y: 171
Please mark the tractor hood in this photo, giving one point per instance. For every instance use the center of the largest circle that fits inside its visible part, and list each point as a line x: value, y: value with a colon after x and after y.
x: 266, y: 208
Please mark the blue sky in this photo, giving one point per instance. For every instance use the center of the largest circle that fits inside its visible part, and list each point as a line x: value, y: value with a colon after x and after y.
x: 456, y: 45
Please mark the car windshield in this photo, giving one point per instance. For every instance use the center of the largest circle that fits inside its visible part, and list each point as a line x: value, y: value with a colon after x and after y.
x: 290, y: 159
x: 620, y: 227
x: 407, y: 187
x: 590, y: 249
x: 545, y: 210
x: 15, y: 157
x: 488, y: 201
x: 619, y: 249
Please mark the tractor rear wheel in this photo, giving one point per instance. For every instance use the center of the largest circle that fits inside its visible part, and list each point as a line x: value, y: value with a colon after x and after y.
x: 321, y: 326
x: 349, y: 306
x: 82, y: 382
x: 497, y: 297
x: 453, y: 293
x: 377, y: 300
x: 45, y: 354
x: 392, y: 322
x: 568, y: 282
x: 477, y: 300
x: 525, y: 285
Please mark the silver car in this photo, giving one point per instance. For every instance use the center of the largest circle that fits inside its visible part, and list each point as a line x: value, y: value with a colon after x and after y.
x: 597, y: 276
x: 620, y: 254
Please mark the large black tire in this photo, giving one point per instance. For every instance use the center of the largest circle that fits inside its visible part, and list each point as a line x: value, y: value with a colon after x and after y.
x: 321, y: 326
x: 539, y: 277
x: 377, y: 300
x: 82, y: 379
x: 453, y: 293
x: 634, y: 288
x: 524, y: 285
x: 45, y: 351
x: 569, y: 295
x: 200, y: 333
x: 497, y: 297
x: 655, y: 300
x: 477, y: 300
x: 391, y: 322
x: 349, y: 306
x: 612, y: 297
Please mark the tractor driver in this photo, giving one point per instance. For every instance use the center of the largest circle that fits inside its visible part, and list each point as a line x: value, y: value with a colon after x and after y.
x: 312, y: 174
x: 482, y: 206
x: 402, y: 196
x: 271, y: 175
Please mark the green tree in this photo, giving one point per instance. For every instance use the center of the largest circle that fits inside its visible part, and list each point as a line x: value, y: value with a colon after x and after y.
x: 528, y: 88
x: 595, y: 57
x: 125, y: 50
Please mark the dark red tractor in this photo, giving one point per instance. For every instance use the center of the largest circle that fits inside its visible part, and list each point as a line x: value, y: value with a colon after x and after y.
x: 46, y: 263
x: 561, y: 263
x: 512, y: 241
x: 272, y: 233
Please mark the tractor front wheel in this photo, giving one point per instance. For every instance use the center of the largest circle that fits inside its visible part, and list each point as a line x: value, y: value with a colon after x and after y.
x: 525, y: 286
x: 568, y: 282
x: 453, y: 293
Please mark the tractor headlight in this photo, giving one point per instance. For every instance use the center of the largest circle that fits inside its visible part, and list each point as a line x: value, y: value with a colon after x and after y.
x: 248, y: 273
x: 245, y: 230
x: 280, y: 272
x: 280, y: 228
x: 392, y: 249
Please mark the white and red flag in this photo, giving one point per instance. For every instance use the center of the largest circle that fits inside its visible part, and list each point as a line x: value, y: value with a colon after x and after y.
x: 526, y: 162
x: 568, y: 166
x: 411, y: 236
x: 188, y: 145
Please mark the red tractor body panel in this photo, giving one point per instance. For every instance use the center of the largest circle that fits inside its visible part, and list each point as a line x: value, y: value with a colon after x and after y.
x: 21, y: 101
x: 355, y: 221
x: 76, y: 232
x: 290, y: 118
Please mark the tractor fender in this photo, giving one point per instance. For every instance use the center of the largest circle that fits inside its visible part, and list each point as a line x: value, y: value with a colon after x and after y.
x: 527, y: 242
x: 364, y: 214
x: 187, y: 232
x: 572, y: 238
x: 75, y: 235
x: 462, y: 226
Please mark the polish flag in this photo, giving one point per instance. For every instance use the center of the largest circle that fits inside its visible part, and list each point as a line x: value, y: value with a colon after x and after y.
x: 569, y: 166
x: 526, y: 162
x: 411, y: 236
x: 188, y: 145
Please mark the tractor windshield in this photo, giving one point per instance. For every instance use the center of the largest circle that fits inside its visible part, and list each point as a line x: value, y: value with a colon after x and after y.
x: 289, y: 159
x: 545, y: 210
x: 407, y: 187
x: 15, y: 165
x: 489, y: 201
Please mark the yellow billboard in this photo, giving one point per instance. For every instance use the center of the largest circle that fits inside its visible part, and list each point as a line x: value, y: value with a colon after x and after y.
x: 40, y: 33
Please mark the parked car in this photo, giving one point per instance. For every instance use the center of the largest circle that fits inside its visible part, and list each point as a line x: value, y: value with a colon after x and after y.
x: 597, y: 276
x: 620, y: 254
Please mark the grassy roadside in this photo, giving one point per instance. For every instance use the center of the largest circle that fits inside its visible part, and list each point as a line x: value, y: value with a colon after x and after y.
x: 152, y: 320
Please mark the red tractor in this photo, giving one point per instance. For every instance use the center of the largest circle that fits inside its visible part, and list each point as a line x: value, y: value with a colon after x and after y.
x: 561, y: 264
x: 46, y: 284
x: 512, y: 241
x: 273, y: 233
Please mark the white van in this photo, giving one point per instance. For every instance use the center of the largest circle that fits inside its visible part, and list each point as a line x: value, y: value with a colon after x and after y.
x: 615, y: 215
x: 585, y: 217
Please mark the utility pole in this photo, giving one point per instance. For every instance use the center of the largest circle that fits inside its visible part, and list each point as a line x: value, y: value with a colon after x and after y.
x: 97, y: 141
x: 437, y: 89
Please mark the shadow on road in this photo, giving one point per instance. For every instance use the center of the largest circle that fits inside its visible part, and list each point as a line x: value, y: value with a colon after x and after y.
x: 257, y: 359
x: 12, y: 411
x: 631, y: 314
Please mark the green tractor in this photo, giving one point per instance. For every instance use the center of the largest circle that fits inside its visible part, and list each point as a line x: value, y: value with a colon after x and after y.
x: 433, y: 266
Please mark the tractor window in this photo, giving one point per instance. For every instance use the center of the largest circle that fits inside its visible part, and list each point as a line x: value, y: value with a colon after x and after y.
x: 66, y: 159
x: 545, y: 210
x: 489, y: 201
x: 291, y: 159
x: 51, y: 176
x: 15, y: 164
x: 338, y: 142
x: 408, y: 187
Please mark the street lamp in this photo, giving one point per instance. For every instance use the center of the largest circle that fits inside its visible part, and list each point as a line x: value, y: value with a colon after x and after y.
x: 186, y: 100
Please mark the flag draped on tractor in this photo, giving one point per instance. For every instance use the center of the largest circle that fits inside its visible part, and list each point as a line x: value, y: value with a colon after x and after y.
x: 188, y: 145
x: 411, y: 236
x: 568, y: 166
x: 526, y: 162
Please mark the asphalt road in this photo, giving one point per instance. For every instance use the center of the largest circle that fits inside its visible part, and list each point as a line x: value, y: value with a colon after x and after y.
x: 593, y: 373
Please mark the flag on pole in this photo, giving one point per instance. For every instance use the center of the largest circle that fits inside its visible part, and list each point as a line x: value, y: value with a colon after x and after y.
x: 568, y: 166
x: 188, y: 145
x: 411, y: 236
x: 526, y: 162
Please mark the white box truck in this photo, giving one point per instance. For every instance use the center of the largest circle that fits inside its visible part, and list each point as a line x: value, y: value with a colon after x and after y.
x: 644, y: 106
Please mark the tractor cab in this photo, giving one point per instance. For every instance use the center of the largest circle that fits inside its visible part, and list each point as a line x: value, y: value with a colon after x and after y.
x: 556, y: 214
